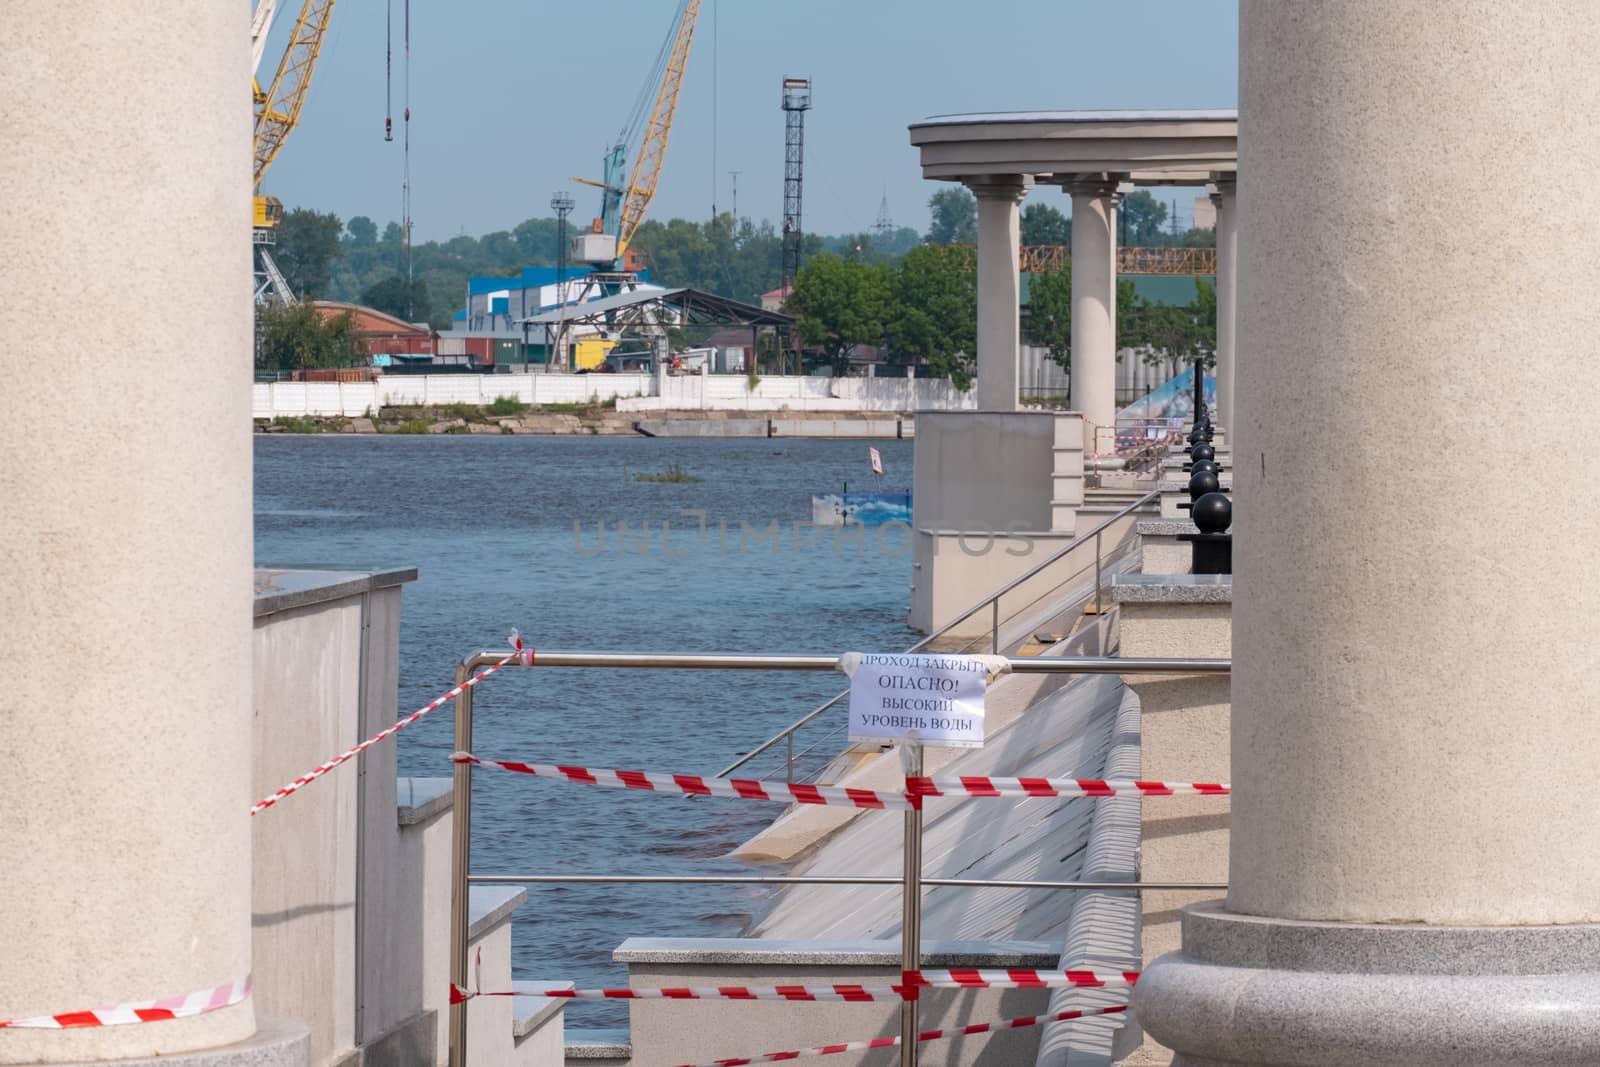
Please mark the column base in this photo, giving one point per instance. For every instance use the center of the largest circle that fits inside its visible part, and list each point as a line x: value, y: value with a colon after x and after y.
x: 1251, y: 990
x: 276, y: 1043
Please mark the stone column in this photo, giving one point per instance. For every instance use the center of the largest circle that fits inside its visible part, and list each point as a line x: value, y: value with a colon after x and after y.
x: 125, y: 537
x: 999, y: 288
x: 1413, y: 873
x: 1094, y: 309
x: 1223, y: 195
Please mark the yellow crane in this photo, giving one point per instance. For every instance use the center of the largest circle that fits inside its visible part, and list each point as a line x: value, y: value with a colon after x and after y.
x: 277, y: 112
x: 623, y: 206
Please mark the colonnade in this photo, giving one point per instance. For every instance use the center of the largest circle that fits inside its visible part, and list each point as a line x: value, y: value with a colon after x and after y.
x: 1095, y: 200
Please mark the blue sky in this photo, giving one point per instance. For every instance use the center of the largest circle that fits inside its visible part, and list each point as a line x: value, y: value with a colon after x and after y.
x: 511, y: 98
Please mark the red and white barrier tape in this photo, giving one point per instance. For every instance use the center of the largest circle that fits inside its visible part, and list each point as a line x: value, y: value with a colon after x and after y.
x: 310, y: 776
x: 926, y: 1035
x: 144, y: 1011
x: 983, y: 786
x: 916, y: 788
x: 911, y: 983
x: 695, y: 785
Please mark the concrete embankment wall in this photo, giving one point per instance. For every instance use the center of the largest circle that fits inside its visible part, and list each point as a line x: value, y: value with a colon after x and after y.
x: 718, y: 427
x: 350, y: 399
x: 633, y: 393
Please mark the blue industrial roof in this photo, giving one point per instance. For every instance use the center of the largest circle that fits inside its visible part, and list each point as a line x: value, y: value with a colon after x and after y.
x: 530, y: 278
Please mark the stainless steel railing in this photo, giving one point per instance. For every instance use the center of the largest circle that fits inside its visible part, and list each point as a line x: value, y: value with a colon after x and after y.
x: 1093, y: 536
x: 461, y: 841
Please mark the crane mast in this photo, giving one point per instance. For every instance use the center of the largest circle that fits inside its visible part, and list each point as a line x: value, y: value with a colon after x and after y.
x: 623, y: 203
x: 653, y: 151
x: 277, y: 112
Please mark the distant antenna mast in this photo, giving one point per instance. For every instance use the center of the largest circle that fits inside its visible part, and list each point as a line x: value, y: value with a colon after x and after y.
x: 796, y: 102
x: 735, y: 174
x: 884, y: 227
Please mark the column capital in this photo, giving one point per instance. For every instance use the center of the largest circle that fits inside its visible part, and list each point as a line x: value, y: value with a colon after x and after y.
x: 1105, y: 185
x: 1221, y: 186
x: 1011, y: 187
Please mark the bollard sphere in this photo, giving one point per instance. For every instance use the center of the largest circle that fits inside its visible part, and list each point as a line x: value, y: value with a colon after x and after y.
x: 1205, y: 465
x: 1201, y: 483
x: 1202, y: 451
x: 1212, y: 513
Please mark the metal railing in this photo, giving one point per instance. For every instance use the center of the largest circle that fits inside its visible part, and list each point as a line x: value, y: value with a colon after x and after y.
x: 786, y: 736
x: 461, y: 839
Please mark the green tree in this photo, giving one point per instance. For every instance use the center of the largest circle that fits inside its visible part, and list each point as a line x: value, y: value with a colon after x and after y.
x: 953, y: 217
x: 1128, y: 328
x: 935, y: 313
x: 1050, y: 313
x: 1206, y: 238
x: 363, y: 232
x: 395, y: 297
x: 308, y: 243
x: 1142, y: 220
x: 838, y: 304
x: 1172, y: 336
x: 1044, y: 225
x: 299, y: 337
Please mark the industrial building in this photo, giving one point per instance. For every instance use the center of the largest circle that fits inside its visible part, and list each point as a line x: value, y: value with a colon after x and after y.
x: 492, y: 324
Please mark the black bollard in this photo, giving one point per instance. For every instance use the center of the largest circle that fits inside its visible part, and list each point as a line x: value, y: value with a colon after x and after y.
x: 1213, y: 546
x: 1200, y: 483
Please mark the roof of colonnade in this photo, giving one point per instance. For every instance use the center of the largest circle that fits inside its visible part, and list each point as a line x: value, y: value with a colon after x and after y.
x: 1147, y: 147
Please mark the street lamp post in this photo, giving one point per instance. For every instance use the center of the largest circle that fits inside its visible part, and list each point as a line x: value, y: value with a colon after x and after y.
x: 562, y: 204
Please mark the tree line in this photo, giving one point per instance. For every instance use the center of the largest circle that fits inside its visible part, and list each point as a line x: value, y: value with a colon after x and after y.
x: 913, y: 294
x: 924, y: 309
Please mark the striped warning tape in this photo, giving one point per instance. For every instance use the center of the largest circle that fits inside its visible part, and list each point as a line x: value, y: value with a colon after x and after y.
x: 926, y: 1035
x: 916, y: 788
x: 144, y: 1011
x: 911, y: 983
x: 526, y: 655
x: 695, y: 785
x: 983, y: 786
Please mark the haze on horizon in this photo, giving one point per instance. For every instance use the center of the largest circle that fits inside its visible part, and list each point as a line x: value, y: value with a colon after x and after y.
x: 510, y: 100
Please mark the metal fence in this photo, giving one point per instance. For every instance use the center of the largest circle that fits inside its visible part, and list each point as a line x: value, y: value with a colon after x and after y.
x: 462, y: 877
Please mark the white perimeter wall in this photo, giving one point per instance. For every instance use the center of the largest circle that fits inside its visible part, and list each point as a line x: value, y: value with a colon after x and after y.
x: 271, y: 399
x: 634, y: 392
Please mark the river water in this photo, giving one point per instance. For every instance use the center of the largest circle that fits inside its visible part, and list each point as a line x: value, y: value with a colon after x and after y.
x: 489, y: 523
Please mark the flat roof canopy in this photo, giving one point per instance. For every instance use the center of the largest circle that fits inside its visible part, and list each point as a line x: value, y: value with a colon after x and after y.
x: 1144, y: 147
x: 694, y: 308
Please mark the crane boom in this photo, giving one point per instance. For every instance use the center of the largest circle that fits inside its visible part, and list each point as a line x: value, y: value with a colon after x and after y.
x: 641, y: 187
x: 278, y: 106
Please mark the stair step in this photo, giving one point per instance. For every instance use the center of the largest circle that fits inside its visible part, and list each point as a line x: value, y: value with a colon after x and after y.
x: 490, y: 905
x: 528, y: 1013
x: 606, y: 1044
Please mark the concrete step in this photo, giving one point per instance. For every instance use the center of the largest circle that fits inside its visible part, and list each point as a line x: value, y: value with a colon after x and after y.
x: 491, y: 1035
x: 537, y: 1026
x: 598, y: 1048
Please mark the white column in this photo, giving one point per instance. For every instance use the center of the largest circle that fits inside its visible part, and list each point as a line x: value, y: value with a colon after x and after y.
x: 999, y: 288
x: 1413, y: 879
x: 1094, y: 310
x: 1223, y: 195
x: 125, y: 535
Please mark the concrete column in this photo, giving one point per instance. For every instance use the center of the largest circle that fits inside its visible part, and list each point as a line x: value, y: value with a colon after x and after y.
x: 1415, y: 666
x: 999, y: 288
x: 1223, y: 195
x: 125, y: 539
x: 1094, y: 310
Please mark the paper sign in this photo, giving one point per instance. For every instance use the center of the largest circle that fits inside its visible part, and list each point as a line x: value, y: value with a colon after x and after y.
x: 939, y: 697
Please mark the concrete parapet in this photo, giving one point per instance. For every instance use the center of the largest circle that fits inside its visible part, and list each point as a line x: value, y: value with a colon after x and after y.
x: 1184, y: 738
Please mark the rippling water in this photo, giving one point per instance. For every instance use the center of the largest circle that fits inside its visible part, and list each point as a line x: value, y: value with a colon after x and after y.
x: 489, y: 523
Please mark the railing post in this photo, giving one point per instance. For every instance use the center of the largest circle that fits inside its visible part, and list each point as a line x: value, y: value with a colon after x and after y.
x: 1097, y: 575
x: 911, y: 918
x: 789, y: 762
x: 460, y: 865
x: 994, y: 633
